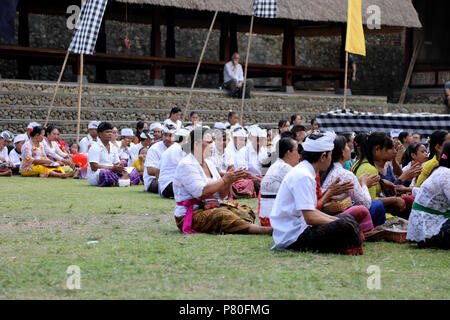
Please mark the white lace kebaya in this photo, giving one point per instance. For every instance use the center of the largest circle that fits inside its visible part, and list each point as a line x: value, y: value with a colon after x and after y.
x: 359, y: 194
x: 433, y: 194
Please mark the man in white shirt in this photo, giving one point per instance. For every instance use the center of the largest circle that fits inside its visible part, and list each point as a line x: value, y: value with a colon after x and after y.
x: 168, y: 164
x: 153, y: 158
x: 155, y: 129
x: 233, y: 78
x: 86, y: 142
x: 297, y: 224
x: 105, y: 168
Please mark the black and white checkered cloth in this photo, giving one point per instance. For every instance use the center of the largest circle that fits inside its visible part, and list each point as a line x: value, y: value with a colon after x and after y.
x: 341, y: 121
x: 85, y: 37
x: 265, y: 8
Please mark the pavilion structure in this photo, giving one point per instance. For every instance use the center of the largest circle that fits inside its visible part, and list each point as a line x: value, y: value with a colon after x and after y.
x: 295, y: 18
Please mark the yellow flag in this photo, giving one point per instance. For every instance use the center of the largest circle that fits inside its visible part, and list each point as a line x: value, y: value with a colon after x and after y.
x: 355, y: 33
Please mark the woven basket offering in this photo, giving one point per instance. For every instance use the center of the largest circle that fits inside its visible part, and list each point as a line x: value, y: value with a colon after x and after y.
x: 395, y: 230
x: 336, y: 206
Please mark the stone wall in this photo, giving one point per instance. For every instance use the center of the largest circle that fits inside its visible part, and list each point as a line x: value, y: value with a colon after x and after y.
x: 379, y: 73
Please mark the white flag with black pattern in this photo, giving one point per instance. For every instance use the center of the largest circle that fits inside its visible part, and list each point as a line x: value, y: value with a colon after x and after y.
x: 265, y: 8
x: 88, y: 26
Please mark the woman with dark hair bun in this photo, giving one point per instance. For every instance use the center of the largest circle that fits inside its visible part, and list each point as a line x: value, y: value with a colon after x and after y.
x: 35, y: 161
x: 429, y: 222
x: 437, y: 140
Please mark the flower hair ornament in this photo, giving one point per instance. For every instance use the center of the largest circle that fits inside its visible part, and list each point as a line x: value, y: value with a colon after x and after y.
x: 444, y: 156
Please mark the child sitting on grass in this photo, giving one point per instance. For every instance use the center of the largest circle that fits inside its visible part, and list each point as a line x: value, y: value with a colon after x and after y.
x: 139, y: 162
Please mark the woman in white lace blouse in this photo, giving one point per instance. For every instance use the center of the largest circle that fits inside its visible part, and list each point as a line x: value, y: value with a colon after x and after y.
x: 360, y: 192
x: 429, y: 222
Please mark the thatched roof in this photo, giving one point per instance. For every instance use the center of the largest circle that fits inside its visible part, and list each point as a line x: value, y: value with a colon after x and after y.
x: 399, y: 13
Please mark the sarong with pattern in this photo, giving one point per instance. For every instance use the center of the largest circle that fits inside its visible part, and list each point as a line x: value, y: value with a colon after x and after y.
x: 108, y: 178
x: 225, y: 219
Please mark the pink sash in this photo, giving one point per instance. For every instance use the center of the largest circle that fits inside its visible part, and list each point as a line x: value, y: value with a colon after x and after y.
x: 187, y: 223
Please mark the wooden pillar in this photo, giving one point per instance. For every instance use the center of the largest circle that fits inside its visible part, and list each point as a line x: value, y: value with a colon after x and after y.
x: 225, y: 43
x: 408, y: 49
x: 100, y: 69
x: 233, y: 35
x: 23, y: 67
x: 155, y: 46
x: 342, y: 54
x: 170, y: 44
x: 288, y: 56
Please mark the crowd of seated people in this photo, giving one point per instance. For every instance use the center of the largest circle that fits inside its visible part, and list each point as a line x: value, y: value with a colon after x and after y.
x: 299, y: 176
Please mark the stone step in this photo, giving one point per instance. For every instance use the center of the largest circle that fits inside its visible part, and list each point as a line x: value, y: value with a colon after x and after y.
x: 168, y: 102
x: 224, y: 105
x: 149, y: 115
x: 147, y: 91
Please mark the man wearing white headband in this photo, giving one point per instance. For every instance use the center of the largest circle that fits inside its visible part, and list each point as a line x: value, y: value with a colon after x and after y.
x: 297, y: 224
x: 153, y: 158
x: 91, y: 138
x: 156, y: 128
x: 168, y: 164
x: 146, y: 140
x: 15, y: 155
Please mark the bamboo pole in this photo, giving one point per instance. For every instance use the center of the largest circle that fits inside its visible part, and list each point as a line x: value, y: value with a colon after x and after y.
x: 56, y: 89
x: 245, y: 72
x: 346, y: 78
x: 198, y: 65
x: 79, y: 96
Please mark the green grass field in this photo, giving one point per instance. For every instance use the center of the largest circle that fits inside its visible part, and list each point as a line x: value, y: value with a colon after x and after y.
x: 45, y: 225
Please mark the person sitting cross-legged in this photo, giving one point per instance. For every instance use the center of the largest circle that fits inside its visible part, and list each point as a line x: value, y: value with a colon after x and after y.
x: 15, y: 155
x: 6, y: 167
x: 34, y: 158
x: 429, y: 222
x: 153, y: 159
x: 199, y: 190
x: 251, y: 158
x: 297, y: 224
x: 233, y: 77
x: 289, y: 157
x: 105, y: 168
x: 169, y: 161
